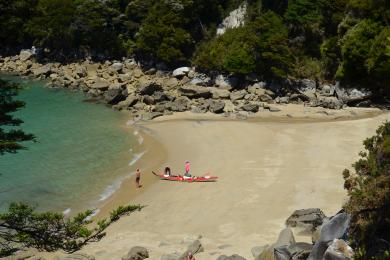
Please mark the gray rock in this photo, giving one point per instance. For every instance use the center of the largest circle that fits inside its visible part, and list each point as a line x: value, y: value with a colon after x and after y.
x: 137, y: 253
x: 75, y: 256
x: 265, y: 98
x: 201, y: 80
x: 257, y: 89
x: 250, y: 107
x: 273, y: 109
x: 282, y: 100
x: 336, y: 227
x: 128, y: 102
x: 328, y: 102
x: 181, y: 72
x: 100, y: 85
x: 114, y: 96
x: 220, y: 93
x: 117, y: 66
x: 148, y: 100
x: 193, y: 91
x: 338, y: 250
x: 237, y: 95
x: 43, y: 71
x: 232, y: 257
x: 216, y: 106
x: 180, y: 104
x: 26, y: 55
x: 160, y: 96
x: 308, y: 219
x: 257, y: 250
x: 327, y: 90
x: 151, y: 71
x: 149, y: 88
x: 286, y: 238
x: 226, y: 82
x: 80, y: 71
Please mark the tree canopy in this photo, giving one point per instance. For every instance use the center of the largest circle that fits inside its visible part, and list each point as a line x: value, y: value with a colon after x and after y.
x: 10, y: 138
x: 343, y: 40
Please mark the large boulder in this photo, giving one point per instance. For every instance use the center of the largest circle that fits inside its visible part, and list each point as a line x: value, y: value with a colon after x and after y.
x: 149, y: 87
x: 201, y: 80
x: 26, y: 55
x: 232, y: 257
x: 43, y: 71
x: 100, y: 85
x: 128, y: 102
x: 114, y: 96
x: 250, y: 107
x: 136, y: 253
x: 117, y: 66
x: 216, y: 106
x: 237, y: 95
x: 220, y: 93
x: 336, y: 227
x: 257, y: 89
x: 338, y: 250
x: 181, y: 72
x: 307, y: 219
x: 193, y: 91
x: 352, y: 96
x: 285, y: 239
x: 296, y: 251
x: 180, y: 104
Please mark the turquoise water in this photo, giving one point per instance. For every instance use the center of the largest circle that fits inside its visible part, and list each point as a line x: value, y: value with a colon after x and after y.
x: 82, y: 152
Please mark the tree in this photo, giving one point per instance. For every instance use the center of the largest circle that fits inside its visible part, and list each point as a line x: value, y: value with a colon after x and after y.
x: 369, y: 197
x: 22, y: 226
x: 51, y: 26
x: 10, y: 138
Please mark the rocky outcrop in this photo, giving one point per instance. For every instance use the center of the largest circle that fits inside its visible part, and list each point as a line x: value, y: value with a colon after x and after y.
x: 124, y: 85
x: 137, y: 253
x: 235, y: 19
x: 335, y: 228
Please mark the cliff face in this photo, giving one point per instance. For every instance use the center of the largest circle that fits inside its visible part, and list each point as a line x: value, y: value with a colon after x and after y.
x: 235, y: 19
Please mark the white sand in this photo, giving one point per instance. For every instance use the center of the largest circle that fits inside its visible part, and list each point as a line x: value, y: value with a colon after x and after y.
x: 266, y: 169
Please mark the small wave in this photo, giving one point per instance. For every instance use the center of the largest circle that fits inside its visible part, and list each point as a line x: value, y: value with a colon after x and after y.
x: 67, y: 211
x: 110, y: 190
x: 136, y: 157
x: 140, y: 140
x: 94, y: 213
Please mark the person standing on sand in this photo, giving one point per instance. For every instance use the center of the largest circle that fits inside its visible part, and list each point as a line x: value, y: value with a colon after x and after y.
x: 137, y: 178
x: 187, y: 169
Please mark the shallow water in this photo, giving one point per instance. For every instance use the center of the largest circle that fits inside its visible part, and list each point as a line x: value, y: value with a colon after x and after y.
x: 83, y: 150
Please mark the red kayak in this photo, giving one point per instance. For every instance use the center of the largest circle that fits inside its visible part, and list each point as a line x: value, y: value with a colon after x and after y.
x: 186, y: 179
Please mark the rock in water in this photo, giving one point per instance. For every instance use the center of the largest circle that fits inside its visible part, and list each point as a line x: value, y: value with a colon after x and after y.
x: 338, y: 250
x: 137, y: 253
x: 335, y: 228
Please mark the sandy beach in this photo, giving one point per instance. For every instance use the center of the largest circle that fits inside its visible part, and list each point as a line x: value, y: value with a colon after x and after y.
x: 267, y: 167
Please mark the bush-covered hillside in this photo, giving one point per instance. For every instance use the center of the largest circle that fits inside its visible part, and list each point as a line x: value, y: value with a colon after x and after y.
x: 347, y: 40
x: 369, y: 203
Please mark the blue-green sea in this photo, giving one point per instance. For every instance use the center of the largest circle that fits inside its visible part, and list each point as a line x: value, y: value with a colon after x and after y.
x: 82, y: 151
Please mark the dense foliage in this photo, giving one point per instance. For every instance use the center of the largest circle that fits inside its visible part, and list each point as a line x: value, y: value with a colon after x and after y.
x: 10, y: 138
x: 346, y: 40
x: 369, y: 202
x: 22, y: 226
